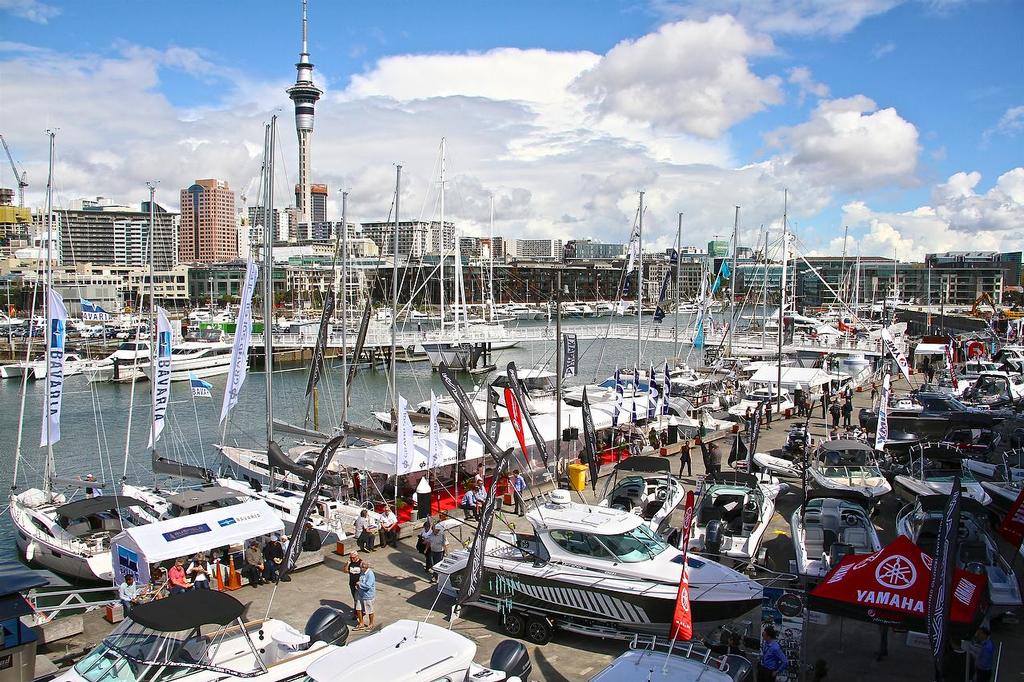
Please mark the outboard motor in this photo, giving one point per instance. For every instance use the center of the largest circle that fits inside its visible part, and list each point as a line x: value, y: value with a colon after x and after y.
x: 327, y: 625
x: 713, y: 537
x: 837, y: 551
x: 512, y: 658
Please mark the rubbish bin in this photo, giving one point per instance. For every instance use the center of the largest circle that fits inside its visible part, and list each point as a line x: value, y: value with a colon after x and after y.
x: 578, y: 476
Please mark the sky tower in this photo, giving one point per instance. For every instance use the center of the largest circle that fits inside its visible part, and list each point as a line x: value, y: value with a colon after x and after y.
x: 305, y: 96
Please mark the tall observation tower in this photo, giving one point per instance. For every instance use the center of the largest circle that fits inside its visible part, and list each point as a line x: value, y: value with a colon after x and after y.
x: 305, y: 96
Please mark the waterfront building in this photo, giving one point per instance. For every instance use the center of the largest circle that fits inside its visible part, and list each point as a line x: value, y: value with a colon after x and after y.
x: 207, y: 232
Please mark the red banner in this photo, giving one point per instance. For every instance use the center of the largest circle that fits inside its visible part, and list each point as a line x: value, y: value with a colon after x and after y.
x: 515, y: 415
x: 682, y: 619
x: 1012, y: 527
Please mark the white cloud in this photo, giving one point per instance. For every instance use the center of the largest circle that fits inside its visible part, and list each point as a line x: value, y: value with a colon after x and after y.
x: 689, y: 76
x: 883, y: 49
x: 1001, y: 209
x: 801, y: 77
x: 33, y: 10
x: 1010, y: 123
x: 797, y: 17
x: 852, y: 144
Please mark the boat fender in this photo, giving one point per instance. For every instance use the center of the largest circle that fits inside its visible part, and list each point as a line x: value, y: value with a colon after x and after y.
x: 30, y: 551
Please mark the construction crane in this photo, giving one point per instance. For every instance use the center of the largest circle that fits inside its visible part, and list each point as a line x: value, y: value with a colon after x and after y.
x: 20, y: 177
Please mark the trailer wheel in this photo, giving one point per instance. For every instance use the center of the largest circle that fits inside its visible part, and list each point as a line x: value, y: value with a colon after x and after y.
x: 514, y: 625
x: 538, y: 630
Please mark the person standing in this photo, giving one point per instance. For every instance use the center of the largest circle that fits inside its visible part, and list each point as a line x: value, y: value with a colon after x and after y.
x: 354, y: 568
x: 518, y: 488
x: 847, y: 412
x: 874, y: 393
x: 128, y: 592
x: 199, y: 572
x: 835, y: 411
x: 176, y: 577
x: 773, y: 660
x: 768, y: 413
x: 714, y: 459
x: 364, y: 536
x: 798, y: 400
x: 388, y: 527
x: 825, y: 400
x: 438, y: 545
x: 255, y: 565
x: 684, y: 459
x: 366, y: 593
x: 423, y: 544
x: 983, y: 659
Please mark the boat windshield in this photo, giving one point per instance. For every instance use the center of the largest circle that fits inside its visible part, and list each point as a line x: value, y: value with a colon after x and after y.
x: 133, y: 653
x: 638, y: 544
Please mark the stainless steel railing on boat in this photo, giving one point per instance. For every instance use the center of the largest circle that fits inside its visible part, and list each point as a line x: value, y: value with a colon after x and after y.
x: 70, y: 601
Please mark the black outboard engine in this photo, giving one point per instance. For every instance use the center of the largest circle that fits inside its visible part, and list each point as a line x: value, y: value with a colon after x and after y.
x: 713, y: 537
x: 512, y: 658
x: 327, y: 625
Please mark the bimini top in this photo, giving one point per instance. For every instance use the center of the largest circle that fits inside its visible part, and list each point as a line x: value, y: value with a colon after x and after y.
x: 732, y: 478
x: 937, y: 503
x: 644, y: 464
x: 204, y: 495
x: 188, y: 610
x: 844, y: 444
x: 94, y: 505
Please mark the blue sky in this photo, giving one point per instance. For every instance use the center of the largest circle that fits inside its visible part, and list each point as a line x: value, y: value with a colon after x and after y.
x: 863, y: 110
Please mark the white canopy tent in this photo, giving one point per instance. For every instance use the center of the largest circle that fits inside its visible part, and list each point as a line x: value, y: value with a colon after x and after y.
x: 930, y: 349
x: 134, y: 549
x: 807, y: 377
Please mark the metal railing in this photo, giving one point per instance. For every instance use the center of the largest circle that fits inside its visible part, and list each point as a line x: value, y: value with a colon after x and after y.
x: 70, y: 600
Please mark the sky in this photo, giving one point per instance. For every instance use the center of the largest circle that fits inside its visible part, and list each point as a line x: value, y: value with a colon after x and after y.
x: 899, y: 121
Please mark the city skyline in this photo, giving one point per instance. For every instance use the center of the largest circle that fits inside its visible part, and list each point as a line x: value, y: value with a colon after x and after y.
x: 885, y: 116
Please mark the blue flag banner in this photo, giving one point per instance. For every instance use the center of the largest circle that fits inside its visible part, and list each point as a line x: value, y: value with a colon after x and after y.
x: 92, y: 311
x: 200, y: 388
x: 698, y: 337
x: 652, y: 394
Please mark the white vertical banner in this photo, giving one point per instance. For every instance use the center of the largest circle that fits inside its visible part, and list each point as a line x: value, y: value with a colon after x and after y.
x: 897, y: 354
x: 882, y: 428
x: 243, y: 335
x: 161, y: 375
x: 56, y: 323
x: 406, y: 448
x: 434, y: 450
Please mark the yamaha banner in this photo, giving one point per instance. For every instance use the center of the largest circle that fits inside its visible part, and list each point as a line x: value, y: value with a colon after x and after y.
x: 882, y: 428
x: 570, y: 356
x: 316, y: 366
x: 943, y: 567
x: 471, y: 585
x: 897, y: 354
x: 161, y: 375
x: 92, y: 311
x: 458, y: 394
x: 1012, y: 527
x: 243, y: 335
x: 323, y: 460
x: 682, y: 618
x: 590, y: 441
x: 56, y: 319
x: 517, y: 388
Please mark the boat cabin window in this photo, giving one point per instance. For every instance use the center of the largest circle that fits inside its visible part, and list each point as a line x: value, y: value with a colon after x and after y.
x: 639, y: 544
x: 137, y: 654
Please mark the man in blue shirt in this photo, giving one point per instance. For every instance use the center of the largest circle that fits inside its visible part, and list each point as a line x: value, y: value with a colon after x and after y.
x: 983, y: 659
x: 518, y: 486
x: 773, y: 661
x: 468, y: 504
x: 366, y: 593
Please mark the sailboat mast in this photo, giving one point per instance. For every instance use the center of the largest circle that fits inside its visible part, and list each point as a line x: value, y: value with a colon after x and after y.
x: 842, y: 267
x: 440, y: 274
x: 394, y: 295
x: 679, y: 263
x: 48, y: 471
x: 268, y: 282
x: 782, y: 287
x: 639, y: 285
x: 490, y: 264
x: 732, y: 277
x: 152, y: 315
x: 344, y: 308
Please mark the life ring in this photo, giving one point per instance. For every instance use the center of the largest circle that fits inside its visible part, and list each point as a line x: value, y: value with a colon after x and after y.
x: 975, y: 349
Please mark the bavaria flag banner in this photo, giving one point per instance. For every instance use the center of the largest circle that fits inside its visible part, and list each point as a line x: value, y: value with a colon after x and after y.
x: 200, y: 388
x: 243, y: 335
x: 92, y: 311
x: 941, y: 581
x: 57, y: 319
x: 590, y: 441
x: 682, y: 618
x: 470, y: 590
x: 652, y: 394
x: 570, y: 356
x: 161, y: 375
x: 882, y: 428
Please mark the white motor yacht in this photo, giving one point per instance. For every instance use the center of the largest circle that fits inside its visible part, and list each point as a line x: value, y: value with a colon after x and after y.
x: 779, y: 402
x: 847, y: 464
x: 681, y: 662
x: 932, y: 469
x: 732, y: 515
x: 829, y: 525
x: 201, y: 636
x: 977, y: 548
x: 124, y: 364
x: 596, y: 571
x: 201, y: 358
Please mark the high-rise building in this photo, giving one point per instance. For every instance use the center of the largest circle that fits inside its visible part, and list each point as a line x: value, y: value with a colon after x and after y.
x: 318, y: 198
x: 305, y: 95
x: 585, y: 249
x: 718, y: 248
x: 536, y: 248
x: 256, y: 219
x: 413, y: 237
x: 442, y: 237
x: 207, y: 233
x: 105, y: 233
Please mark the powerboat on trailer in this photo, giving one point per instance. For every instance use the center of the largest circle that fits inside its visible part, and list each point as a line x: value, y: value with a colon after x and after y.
x: 732, y: 514
x: 847, y: 464
x: 411, y: 651
x: 931, y: 470
x: 682, y: 662
x: 977, y: 549
x: 596, y: 571
x: 646, y: 487
x: 829, y: 525
x: 200, y: 636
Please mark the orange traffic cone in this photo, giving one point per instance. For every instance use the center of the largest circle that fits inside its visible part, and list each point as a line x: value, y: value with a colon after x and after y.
x: 234, y: 579
x: 220, y: 576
